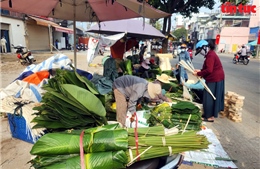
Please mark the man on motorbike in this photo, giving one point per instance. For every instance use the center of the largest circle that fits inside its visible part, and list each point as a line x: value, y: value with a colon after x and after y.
x: 242, y: 54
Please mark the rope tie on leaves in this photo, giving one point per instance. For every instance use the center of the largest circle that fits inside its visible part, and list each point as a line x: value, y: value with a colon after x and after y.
x: 82, y: 161
x: 136, y: 136
x: 164, y: 141
x: 170, y: 150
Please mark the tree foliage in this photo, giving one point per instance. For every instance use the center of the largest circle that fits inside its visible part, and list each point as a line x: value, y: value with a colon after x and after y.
x: 179, y: 33
x: 158, y: 25
x: 185, y: 8
x: 235, y: 1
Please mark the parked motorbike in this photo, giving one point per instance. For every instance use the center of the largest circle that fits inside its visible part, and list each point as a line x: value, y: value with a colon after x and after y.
x: 82, y: 46
x: 25, y: 58
x: 245, y: 60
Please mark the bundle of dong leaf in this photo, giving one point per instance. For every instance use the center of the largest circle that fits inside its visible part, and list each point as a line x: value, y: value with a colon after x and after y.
x: 110, y: 146
x: 70, y: 101
x: 126, y: 67
x: 176, y: 115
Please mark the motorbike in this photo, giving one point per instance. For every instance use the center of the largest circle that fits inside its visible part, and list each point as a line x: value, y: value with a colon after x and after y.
x: 25, y: 58
x: 170, y: 162
x: 245, y: 60
x: 81, y: 46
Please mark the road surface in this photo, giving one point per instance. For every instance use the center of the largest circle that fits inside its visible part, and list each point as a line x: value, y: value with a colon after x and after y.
x: 240, y: 140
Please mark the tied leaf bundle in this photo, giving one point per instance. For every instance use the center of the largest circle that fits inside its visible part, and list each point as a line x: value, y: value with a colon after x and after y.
x: 64, y: 144
x: 110, y: 149
x: 177, y: 115
x: 70, y: 101
x: 110, y: 159
x: 184, y: 110
x: 158, y: 146
x: 161, y: 114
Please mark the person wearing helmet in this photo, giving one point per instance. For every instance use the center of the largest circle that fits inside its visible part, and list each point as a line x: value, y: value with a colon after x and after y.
x: 183, y: 55
x: 213, y: 73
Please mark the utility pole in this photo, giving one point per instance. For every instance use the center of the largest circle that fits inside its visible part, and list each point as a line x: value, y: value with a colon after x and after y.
x: 219, y: 29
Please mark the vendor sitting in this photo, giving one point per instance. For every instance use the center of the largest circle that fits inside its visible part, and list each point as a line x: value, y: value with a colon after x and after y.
x: 145, y: 67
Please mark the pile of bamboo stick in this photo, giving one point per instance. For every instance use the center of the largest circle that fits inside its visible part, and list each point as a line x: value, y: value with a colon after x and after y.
x: 233, y: 106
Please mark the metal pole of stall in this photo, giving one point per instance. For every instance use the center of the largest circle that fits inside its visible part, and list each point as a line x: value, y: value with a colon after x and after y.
x: 50, y: 37
x: 74, y: 30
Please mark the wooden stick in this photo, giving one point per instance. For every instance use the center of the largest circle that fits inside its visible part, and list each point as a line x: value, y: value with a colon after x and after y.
x: 191, y: 65
x: 131, y: 162
x: 186, y: 66
x: 186, y: 124
x: 207, y: 88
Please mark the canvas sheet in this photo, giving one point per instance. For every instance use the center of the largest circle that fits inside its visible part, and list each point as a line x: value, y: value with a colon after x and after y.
x: 207, y: 157
x: 95, y: 44
x: 58, y: 61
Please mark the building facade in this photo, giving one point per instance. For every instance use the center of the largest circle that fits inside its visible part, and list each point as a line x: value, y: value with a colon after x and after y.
x: 34, y: 33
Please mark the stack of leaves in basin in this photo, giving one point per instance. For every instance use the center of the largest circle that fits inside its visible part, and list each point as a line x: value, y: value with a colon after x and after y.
x: 70, y: 101
x: 110, y: 146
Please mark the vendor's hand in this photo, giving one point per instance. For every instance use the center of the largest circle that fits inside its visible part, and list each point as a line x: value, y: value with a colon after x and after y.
x: 132, y: 119
x: 195, y: 73
x: 169, y: 100
x: 197, y: 70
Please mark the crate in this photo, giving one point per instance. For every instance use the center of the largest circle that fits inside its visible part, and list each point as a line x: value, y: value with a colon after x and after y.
x: 19, y: 128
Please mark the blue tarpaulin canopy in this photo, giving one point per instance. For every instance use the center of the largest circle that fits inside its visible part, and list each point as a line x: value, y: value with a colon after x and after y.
x: 253, y: 43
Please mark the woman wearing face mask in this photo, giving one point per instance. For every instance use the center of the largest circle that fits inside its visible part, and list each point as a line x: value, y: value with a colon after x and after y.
x: 183, y: 55
x: 212, y: 71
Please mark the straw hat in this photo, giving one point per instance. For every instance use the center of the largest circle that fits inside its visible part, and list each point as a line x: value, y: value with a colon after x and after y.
x: 154, y: 90
x: 164, y: 78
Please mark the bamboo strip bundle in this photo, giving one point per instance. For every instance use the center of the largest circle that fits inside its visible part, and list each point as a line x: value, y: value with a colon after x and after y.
x: 190, y: 68
x: 233, y: 106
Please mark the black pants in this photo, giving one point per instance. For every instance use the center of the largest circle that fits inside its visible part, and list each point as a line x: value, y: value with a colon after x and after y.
x: 241, y: 57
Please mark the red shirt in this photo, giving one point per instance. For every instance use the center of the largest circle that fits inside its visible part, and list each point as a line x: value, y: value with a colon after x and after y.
x: 212, y: 70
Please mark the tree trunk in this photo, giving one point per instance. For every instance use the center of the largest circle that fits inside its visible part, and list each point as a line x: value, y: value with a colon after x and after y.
x: 166, y: 33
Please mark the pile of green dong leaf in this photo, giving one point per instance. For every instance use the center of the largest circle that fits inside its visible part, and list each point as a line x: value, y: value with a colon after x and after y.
x: 71, y: 101
x: 110, y: 147
x: 176, y: 115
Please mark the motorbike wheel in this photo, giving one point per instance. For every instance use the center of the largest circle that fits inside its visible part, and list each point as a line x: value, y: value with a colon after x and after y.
x: 234, y: 60
x: 245, y: 61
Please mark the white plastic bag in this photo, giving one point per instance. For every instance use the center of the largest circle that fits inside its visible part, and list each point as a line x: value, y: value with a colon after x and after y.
x: 142, y: 121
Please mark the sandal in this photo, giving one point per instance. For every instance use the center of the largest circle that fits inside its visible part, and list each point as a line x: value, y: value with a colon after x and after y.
x: 207, y: 120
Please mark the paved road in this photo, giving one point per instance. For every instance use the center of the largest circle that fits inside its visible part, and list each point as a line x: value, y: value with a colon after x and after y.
x: 240, y: 140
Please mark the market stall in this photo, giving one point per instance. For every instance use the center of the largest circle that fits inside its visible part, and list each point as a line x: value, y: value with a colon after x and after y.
x: 70, y: 123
